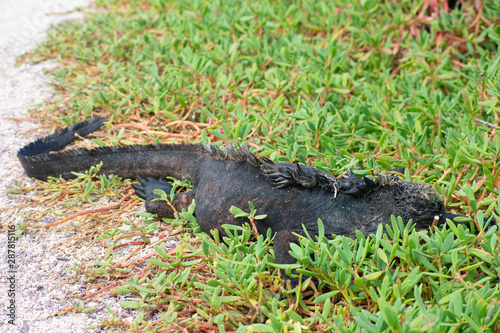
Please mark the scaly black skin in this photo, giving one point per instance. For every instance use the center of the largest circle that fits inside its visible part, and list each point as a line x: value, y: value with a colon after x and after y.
x: 291, y: 195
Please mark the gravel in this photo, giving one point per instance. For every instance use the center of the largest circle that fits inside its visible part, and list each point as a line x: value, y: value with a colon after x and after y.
x: 40, y: 287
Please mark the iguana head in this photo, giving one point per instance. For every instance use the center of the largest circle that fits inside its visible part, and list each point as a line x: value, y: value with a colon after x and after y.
x: 416, y: 201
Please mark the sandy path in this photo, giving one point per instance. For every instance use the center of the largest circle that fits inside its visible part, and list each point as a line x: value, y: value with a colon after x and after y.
x: 38, y: 283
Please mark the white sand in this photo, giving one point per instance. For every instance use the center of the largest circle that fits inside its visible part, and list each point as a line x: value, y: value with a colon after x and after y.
x: 38, y: 280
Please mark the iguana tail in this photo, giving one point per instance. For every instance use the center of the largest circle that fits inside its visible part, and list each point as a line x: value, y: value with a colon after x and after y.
x: 154, y: 160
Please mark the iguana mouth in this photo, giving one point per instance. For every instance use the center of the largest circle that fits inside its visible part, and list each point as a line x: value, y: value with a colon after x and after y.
x: 424, y: 221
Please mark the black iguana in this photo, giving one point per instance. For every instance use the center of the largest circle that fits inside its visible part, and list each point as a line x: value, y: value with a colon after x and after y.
x: 290, y: 194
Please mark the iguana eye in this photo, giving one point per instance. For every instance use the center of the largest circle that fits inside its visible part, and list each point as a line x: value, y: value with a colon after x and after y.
x: 419, y: 207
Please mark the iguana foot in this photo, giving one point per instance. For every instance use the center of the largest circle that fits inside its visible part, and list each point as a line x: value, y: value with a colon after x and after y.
x: 163, y: 208
x: 146, y: 189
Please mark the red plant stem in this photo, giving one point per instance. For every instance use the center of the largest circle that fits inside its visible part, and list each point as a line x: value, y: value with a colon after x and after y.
x: 89, y: 211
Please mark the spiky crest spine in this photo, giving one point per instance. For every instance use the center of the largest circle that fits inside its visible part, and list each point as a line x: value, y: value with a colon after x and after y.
x: 287, y: 174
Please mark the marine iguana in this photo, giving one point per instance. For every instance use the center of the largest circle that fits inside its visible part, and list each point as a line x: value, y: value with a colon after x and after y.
x: 290, y: 194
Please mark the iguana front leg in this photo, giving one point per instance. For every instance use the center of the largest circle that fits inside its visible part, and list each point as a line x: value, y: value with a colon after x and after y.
x: 281, y: 248
x: 161, y: 207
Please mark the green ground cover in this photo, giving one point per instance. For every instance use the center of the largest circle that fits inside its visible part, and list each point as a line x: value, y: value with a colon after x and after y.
x: 360, y: 85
